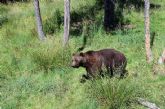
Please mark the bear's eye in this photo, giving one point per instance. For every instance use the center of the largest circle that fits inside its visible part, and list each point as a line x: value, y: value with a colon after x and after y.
x: 74, y: 60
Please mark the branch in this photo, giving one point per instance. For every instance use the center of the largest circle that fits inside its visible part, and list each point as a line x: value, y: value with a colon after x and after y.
x: 147, y: 104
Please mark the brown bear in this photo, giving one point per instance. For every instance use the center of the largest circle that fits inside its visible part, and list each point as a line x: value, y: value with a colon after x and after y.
x: 95, y: 61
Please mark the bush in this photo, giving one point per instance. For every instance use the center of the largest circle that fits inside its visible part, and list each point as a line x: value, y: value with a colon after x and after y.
x: 3, y: 19
x: 116, y: 93
x: 50, y: 56
x: 52, y: 24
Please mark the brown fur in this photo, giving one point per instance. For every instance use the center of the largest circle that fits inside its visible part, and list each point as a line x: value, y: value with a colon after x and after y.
x: 94, y: 61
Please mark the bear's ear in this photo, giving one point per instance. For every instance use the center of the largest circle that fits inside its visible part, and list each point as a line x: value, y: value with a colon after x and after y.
x: 82, y: 54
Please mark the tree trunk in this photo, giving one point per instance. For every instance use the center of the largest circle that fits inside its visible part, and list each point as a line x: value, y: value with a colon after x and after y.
x: 66, y: 22
x: 41, y: 34
x: 109, y: 14
x: 147, y: 31
x: 162, y: 58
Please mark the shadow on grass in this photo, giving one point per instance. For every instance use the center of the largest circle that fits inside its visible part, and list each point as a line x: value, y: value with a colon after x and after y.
x: 12, y: 1
x: 85, y: 18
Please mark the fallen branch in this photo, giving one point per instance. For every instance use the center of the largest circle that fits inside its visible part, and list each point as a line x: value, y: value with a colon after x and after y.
x: 147, y: 104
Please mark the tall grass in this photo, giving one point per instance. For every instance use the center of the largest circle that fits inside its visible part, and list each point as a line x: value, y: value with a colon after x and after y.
x: 50, y: 55
x: 52, y: 24
x: 115, y: 93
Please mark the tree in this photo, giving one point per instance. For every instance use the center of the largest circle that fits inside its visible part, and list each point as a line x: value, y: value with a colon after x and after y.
x: 41, y: 34
x: 147, y: 31
x: 66, y: 22
x: 109, y: 14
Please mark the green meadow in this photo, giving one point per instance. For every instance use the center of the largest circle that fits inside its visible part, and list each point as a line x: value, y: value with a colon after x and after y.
x: 37, y: 75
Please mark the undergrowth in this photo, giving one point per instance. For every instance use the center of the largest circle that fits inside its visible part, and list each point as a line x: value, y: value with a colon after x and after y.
x: 117, y: 93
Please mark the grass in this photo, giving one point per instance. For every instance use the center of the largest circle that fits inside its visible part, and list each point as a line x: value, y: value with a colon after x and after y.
x: 36, y: 74
x: 116, y: 93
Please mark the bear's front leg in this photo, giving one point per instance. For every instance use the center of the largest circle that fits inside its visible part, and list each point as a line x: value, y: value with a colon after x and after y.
x: 84, y: 78
x: 88, y: 76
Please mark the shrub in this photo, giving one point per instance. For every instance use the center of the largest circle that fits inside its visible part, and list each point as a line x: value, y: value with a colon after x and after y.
x: 50, y: 56
x: 116, y: 93
x: 52, y: 24
x: 3, y: 19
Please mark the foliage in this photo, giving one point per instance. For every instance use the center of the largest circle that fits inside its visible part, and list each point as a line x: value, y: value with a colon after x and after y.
x: 116, y: 93
x: 52, y: 24
x: 51, y: 55
x: 3, y: 17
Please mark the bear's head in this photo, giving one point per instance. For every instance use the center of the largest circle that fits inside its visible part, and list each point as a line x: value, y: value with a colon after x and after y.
x: 78, y: 60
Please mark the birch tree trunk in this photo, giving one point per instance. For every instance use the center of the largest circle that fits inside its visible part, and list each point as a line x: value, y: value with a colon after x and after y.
x: 41, y: 34
x: 66, y: 22
x: 147, y: 31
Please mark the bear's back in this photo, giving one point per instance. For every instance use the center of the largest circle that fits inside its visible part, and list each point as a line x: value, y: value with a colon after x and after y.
x: 112, y: 56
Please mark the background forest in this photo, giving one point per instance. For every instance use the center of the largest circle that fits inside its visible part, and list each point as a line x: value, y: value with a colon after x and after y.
x: 36, y: 74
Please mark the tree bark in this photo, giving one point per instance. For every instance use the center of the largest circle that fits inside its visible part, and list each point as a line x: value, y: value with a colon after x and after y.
x: 162, y: 58
x: 41, y: 34
x: 147, y: 31
x: 109, y: 14
x: 66, y: 22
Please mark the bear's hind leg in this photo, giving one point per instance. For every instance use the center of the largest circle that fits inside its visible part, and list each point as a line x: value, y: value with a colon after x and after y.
x: 110, y: 71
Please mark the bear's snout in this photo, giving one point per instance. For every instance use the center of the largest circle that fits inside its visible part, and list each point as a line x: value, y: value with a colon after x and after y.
x: 74, y: 65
